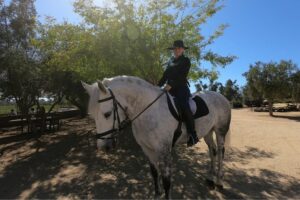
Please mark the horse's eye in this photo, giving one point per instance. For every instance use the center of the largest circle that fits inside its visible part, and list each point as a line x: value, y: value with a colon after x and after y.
x: 107, y: 114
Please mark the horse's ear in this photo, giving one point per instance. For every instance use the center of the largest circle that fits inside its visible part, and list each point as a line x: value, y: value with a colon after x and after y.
x: 87, y: 87
x: 102, y: 87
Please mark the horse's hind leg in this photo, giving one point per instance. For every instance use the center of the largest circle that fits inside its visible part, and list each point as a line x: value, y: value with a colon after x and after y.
x: 212, y: 154
x: 155, y: 176
x: 220, y: 135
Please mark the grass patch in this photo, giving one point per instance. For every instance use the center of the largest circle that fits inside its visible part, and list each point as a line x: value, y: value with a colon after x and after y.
x: 5, y: 109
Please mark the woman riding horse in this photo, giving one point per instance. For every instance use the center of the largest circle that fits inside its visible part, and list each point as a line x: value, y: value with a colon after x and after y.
x: 175, y: 80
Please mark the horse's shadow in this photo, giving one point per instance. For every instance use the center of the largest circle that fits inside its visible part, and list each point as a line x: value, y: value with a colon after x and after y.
x: 70, y: 166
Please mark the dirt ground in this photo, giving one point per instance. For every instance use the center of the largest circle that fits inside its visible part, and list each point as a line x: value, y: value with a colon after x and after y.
x: 262, y: 163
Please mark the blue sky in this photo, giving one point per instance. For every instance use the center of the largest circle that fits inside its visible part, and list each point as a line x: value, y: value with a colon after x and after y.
x: 259, y: 30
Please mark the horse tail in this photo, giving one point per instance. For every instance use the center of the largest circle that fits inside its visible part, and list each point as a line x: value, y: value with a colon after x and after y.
x: 228, y: 138
x: 228, y: 134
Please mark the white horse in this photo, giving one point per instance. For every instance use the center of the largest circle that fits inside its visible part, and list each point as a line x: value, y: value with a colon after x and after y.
x: 126, y: 96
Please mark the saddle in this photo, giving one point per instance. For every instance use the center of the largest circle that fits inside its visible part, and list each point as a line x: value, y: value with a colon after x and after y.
x: 198, y: 108
x: 197, y: 105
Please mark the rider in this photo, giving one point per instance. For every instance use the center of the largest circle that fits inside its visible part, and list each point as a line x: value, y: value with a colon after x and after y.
x: 175, y: 78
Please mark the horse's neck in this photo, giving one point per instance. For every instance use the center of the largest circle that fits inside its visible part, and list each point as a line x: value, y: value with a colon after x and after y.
x: 136, y: 97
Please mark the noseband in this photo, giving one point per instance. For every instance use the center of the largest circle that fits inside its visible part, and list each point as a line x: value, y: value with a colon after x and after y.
x: 121, y: 125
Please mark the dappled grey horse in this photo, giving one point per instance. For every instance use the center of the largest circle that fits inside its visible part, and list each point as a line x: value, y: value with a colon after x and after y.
x: 119, y: 100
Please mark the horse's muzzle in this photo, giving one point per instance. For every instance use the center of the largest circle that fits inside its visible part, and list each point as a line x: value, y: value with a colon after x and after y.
x: 107, y: 145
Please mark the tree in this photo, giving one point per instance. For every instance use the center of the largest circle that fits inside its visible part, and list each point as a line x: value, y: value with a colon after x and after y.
x: 213, y: 86
x: 68, y: 56
x: 270, y: 80
x: 126, y: 38
x: 131, y: 38
x: 251, y: 97
x: 67, y: 84
x: 19, y: 69
x: 232, y: 92
x: 295, y: 81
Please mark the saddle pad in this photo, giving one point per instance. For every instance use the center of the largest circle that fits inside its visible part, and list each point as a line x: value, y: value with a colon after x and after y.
x: 202, y: 109
x: 197, y: 105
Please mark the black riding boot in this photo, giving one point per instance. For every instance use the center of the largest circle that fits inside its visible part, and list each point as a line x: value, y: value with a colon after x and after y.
x: 190, y: 126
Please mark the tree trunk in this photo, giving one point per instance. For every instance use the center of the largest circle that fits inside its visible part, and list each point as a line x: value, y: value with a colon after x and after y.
x: 22, y: 106
x: 55, y: 103
x: 80, y: 106
x: 270, y: 108
x: 38, y: 106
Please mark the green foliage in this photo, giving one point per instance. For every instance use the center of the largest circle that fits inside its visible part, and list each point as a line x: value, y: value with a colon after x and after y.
x: 124, y: 38
x: 295, y: 81
x: 213, y: 85
x: 67, y: 84
x: 217, y: 60
x: 271, y: 81
x: 251, y: 97
x: 133, y: 36
x: 231, y: 91
x: 67, y: 47
x: 19, y: 69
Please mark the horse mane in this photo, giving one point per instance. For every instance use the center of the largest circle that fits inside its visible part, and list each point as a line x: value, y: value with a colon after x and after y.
x: 131, y: 80
x: 114, y: 81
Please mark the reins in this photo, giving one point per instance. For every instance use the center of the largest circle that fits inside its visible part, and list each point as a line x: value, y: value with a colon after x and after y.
x: 148, y: 106
x: 125, y: 123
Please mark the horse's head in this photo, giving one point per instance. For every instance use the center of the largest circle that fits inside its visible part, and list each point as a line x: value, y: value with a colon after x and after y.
x: 102, y: 108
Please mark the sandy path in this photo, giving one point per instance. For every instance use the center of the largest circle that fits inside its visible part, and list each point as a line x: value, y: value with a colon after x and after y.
x: 278, y: 137
x: 263, y: 162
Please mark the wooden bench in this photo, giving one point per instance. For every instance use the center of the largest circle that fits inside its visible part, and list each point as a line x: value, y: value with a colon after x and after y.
x: 30, y: 121
x: 34, y: 122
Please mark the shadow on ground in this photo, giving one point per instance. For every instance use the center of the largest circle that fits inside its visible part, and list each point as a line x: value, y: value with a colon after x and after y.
x: 295, y: 118
x: 66, y: 164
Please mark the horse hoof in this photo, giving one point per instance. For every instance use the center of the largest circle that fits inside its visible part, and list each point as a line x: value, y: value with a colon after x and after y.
x: 211, y: 185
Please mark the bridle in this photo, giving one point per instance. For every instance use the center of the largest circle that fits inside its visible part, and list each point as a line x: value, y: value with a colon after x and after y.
x: 121, y: 125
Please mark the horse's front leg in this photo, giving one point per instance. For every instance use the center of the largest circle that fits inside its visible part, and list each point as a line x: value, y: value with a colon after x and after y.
x: 167, y: 185
x: 155, y: 176
x: 165, y: 170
